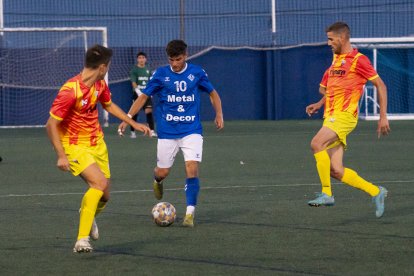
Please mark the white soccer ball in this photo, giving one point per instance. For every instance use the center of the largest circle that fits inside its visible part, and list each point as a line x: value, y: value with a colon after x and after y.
x: 164, y: 214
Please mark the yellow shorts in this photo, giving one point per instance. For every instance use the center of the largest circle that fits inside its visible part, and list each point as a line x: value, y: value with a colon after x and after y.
x: 342, y: 124
x: 82, y: 156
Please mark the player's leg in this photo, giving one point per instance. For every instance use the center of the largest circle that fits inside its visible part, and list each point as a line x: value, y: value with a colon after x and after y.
x: 350, y: 177
x: 319, y: 144
x: 377, y: 193
x: 97, y: 182
x: 149, y: 116
x: 346, y: 123
x: 192, y: 188
x: 135, y: 117
x: 167, y: 149
x: 133, y: 135
x: 94, y: 233
x: 192, y: 148
x: 104, y: 199
x: 100, y: 154
x: 158, y: 186
x: 82, y: 163
x: 92, y: 164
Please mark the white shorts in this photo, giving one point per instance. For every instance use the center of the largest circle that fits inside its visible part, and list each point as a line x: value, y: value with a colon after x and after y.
x: 191, y: 146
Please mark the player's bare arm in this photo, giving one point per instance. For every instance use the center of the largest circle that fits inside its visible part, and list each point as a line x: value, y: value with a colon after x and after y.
x: 135, y: 108
x: 52, y: 128
x: 383, y: 124
x: 216, y: 102
x: 322, y: 90
x: 117, y: 112
x: 314, y: 108
x: 136, y: 89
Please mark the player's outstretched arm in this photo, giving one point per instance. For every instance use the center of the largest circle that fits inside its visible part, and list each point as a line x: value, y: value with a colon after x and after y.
x: 135, y: 108
x: 117, y: 112
x: 216, y: 102
x: 53, y: 134
x: 383, y: 124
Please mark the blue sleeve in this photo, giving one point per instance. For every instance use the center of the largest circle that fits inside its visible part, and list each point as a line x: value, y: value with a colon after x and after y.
x: 204, y: 83
x: 153, y: 85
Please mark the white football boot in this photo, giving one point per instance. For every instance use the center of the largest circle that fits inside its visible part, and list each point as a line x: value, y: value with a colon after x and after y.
x: 82, y: 245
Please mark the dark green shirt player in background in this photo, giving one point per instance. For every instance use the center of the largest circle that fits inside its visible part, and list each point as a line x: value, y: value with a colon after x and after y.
x: 139, y: 76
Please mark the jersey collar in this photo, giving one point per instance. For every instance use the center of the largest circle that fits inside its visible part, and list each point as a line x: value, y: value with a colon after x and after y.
x: 185, y: 68
x: 351, y: 54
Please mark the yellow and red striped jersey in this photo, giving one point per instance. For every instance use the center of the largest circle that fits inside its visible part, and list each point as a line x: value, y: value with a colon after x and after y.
x: 344, y: 81
x: 76, y: 106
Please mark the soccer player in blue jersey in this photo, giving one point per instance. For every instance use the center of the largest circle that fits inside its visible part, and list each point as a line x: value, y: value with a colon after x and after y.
x: 178, y: 86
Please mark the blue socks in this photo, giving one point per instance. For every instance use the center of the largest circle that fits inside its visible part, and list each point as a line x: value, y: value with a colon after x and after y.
x: 192, y: 187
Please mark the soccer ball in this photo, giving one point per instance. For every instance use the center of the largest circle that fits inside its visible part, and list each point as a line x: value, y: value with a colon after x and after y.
x: 163, y: 214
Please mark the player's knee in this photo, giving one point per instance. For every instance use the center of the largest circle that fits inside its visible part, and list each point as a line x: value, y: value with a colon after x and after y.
x: 337, y: 172
x: 100, y: 184
x: 161, y: 173
x: 191, y: 168
x: 316, y: 146
x: 106, y: 196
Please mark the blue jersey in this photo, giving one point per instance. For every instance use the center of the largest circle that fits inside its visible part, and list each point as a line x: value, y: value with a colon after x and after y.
x: 178, y: 110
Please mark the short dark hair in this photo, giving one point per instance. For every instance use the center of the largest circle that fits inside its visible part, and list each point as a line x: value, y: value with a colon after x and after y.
x: 339, y: 27
x: 97, y: 55
x: 141, y: 54
x: 176, y: 47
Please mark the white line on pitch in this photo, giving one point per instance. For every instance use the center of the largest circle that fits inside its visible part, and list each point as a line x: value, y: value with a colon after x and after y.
x: 203, y: 188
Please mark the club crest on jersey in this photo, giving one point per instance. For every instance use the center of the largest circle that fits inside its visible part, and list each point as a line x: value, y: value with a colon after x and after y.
x: 191, y: 77
x: 343, y: 62
x: 167, y: 79
x: 84, y: 102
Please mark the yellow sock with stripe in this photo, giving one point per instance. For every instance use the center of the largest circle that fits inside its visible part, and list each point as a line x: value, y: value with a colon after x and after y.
x: 88, y: 209
x: 323, y: 166
x: 353, y: 179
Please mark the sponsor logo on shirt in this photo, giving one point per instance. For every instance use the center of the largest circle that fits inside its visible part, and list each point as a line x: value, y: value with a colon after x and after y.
x: 337, y: 72
x: 188, y: 118
x: 179, y: 99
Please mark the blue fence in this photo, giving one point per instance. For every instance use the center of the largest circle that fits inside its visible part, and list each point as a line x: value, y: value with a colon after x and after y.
x: 151, y: 23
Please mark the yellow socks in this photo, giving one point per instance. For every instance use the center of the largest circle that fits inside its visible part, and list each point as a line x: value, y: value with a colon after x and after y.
x: 323, y: 165
x: 350, y: 177
x: 101, y: 206
x: 88, y: 209
x: 353, y: 179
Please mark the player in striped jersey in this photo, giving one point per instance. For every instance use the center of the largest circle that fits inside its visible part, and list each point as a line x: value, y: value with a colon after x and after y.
x: 342, y: 86
x: 74, y: 130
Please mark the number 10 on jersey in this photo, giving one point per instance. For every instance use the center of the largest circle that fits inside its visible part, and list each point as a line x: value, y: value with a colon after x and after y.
x: 180, y: 86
